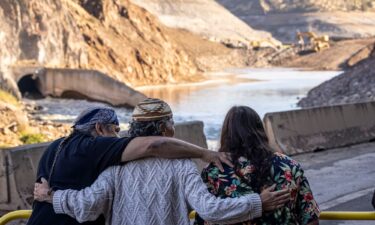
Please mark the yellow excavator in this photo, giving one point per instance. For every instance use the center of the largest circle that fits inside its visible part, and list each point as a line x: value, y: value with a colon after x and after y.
x: 317, y: 43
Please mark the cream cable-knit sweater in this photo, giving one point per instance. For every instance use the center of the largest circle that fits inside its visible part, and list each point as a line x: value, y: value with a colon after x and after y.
x: 153, y: 191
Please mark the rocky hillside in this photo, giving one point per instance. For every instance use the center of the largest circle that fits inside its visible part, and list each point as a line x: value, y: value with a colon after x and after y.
x: 18, y: 126
x: 113, y: 36
x: 355, y: 85
x: 206, y: 18
x: 337, y: 18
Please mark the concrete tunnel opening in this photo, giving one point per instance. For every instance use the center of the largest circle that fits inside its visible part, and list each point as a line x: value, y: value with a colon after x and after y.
x: 29, y: 87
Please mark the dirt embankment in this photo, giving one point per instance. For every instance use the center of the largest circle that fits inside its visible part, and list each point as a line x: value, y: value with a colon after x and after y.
x: 18, y: 126
x: 208, y: 55
x: 357, y: 84
x: 341, y: 55
x: 283, y: 18
x: 350, y: 25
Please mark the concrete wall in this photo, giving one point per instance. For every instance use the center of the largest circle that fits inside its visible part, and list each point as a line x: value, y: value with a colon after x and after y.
x: 90, y: 84
x: 307, y: 130
x: 18, y: 167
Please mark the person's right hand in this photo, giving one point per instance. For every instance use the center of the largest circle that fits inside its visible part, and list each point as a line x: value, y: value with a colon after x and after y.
x: 272, y: 200
x: 217, y: 158
x: 42, y: 191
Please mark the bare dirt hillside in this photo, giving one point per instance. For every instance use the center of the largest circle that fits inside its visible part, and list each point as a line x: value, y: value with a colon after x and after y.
x: 282, y: 18
x: 211, y: 56
x: 355, y: 85
x: 113, y: 36
x: 340, y: 55
x: 206, y: 18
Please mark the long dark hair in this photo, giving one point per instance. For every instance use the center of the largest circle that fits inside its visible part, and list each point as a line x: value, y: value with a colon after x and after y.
x: 243, y: 135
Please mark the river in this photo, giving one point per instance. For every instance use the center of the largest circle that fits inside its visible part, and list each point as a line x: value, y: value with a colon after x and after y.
x: 265, y: 90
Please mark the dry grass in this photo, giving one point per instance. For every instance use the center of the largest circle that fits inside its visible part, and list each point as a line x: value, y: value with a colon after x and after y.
x: 32, y: 138
x: 8, y: 98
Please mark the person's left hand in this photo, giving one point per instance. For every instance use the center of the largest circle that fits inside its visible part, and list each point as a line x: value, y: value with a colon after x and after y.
x: 217, y: 158
x: 42, y: 192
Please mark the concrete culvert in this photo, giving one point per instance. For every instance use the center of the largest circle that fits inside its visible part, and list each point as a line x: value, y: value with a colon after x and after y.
x: 29, y: 87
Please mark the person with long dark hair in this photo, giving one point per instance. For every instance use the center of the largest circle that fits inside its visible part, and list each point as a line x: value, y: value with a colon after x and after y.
x: 256, y: 166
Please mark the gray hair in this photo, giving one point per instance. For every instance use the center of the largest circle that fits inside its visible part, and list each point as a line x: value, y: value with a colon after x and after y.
x: 147, y: 128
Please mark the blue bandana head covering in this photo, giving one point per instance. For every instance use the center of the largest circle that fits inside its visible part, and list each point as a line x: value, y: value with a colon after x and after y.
x: 91, y: 116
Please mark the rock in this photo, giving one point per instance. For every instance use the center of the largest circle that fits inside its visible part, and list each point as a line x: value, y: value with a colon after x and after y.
x: 38, y: 118
x: 7, y: 83
x: 38, y: 108
x: 362, y: 54
x: 6, y: 131
x: 355, y: 85
x: 13, y: 127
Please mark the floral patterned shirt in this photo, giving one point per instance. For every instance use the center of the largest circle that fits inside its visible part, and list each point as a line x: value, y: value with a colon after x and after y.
x: 285, y: 172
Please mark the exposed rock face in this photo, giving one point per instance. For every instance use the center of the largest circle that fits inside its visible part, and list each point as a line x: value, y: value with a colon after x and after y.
x: 12, y: 121
x: 206, y: 18
x: 337, y: 18
x: 8, y: 84
x: 113, y: 36
x: 355, y: 85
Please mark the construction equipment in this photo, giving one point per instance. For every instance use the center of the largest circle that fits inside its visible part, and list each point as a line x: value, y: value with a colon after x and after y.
x: 316, y: 43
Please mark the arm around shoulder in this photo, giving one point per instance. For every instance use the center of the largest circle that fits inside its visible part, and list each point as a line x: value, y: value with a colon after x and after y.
x: 164, y: 147
x: 171, y: 148
x: 217, y: 210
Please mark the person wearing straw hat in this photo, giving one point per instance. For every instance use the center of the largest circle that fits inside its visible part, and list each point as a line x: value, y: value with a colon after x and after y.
x: 75, y: 161
x: 155, y: 190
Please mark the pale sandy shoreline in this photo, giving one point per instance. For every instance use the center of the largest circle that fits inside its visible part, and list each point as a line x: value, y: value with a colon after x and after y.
x: 210, y: 79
